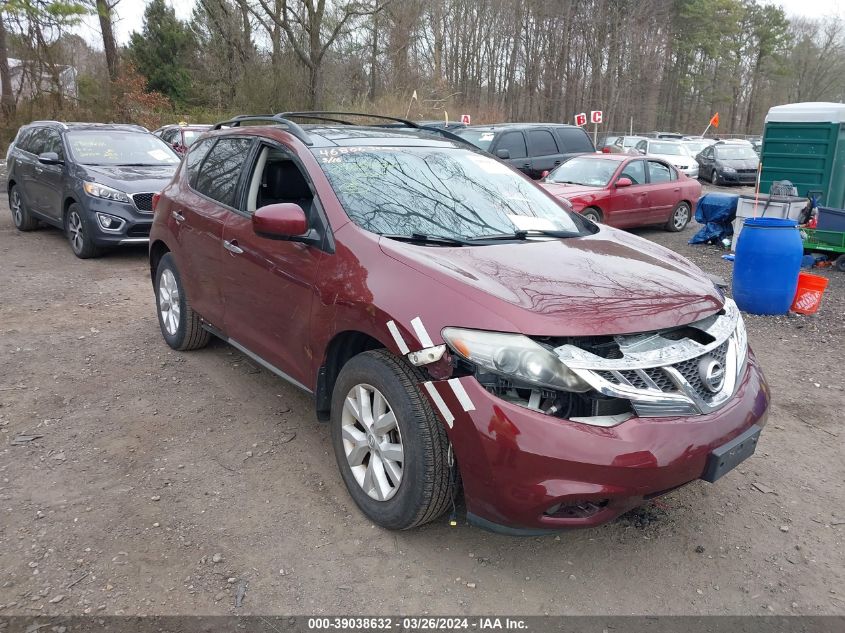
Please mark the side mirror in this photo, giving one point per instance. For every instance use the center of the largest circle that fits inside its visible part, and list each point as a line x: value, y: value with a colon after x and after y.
x: 544, y: 173
x: 49, y: 158
x: 624, y: 182
x: 282, y: 221
x: 641, y: 151
x: 503, y: 153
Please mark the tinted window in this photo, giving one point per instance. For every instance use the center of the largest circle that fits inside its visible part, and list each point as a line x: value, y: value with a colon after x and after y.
x: 194, y: 158
x: 220, y: 171
x: 635, y: 170
x: 574, y: 139
x: 659, y: 172
x: 53, y: 143
x: 435, y: 192
x: 24, y: 140
x: 542, y: 143
x: 37, y: 139
x: 479, y: 138
x: 514, y: 142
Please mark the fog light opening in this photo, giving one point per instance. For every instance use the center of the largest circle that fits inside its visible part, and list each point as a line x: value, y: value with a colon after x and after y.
x: 109, y: 222
x: 579, y: 509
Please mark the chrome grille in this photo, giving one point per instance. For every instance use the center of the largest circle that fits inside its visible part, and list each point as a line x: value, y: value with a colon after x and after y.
x: 689, y: 370
x: 143, y: 201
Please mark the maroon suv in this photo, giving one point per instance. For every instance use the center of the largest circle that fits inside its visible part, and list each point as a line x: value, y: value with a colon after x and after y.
x: 458, y: 327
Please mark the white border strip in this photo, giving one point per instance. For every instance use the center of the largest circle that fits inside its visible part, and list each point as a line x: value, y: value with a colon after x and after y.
x: 422, y: 333
x: 441, y: 405
x: 461, y: 394
x: 397, y: 336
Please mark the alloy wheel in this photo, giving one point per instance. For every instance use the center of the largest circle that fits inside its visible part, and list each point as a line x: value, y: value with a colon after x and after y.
x: 168, y: 301
x: 17, y: 207
x: 681, y: 216
x: 372, y: 442
x: 77, y: 236
x: 714, y: 177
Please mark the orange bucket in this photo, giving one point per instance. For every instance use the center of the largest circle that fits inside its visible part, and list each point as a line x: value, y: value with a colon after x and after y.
x: 808, y: 297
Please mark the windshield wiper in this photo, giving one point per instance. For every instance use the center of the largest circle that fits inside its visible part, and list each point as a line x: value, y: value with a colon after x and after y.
x: 524, y: 235
x: 427, y: 239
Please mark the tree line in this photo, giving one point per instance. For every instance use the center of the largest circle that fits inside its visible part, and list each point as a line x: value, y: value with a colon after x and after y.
x: 648, y: 64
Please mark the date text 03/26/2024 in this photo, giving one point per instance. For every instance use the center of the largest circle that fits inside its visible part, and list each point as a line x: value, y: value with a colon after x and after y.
x: 424, y: 623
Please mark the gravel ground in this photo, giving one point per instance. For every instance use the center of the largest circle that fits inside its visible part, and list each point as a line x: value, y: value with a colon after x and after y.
x: 170, y: 483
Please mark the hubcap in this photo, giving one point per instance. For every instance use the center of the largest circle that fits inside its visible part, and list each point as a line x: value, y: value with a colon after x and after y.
x: 680, y: 217
x: 372, y: 442
x: 168, y: 301
x: 17, y: 209
x: 74, y: 225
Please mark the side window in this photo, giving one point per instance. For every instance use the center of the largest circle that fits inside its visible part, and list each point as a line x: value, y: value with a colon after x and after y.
x: 635, y: 170
x: 37, y: 140
x: 275, y: 179
x: 53, y: 143
x: 659, y: 172
x: 221, y: 170
x: 574, y: 139
x: 23, y: 140
x: 514, y: 142
x: 194, y: 158
x: 542, y: 143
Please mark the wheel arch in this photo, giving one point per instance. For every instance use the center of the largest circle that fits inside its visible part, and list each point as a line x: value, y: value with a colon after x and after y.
x: 593, y: 207
x: 341, y: 348
x: 69, y: 200
x: 158, y: 249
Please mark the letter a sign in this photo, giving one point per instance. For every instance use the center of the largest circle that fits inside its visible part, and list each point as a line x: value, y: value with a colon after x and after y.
x: 581, y: 119
x: 595, y: 116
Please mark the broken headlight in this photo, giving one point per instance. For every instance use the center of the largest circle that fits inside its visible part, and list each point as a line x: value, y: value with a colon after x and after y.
x: 514, y: 356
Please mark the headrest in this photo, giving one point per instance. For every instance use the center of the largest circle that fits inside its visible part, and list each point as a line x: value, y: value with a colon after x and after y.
x: 284, y: 181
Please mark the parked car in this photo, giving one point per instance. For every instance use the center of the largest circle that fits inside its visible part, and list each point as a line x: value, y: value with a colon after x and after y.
x: 606, y: 143
x: 457, y: 327
x: 624, y: 144
x: 668, y: 135
x: 625, y: 191
x: 695, y: 145
x: 95, y: 181
x: 671, y: 151
x: 530, y: 147
x: 726, y: 163
x: 180, y: 136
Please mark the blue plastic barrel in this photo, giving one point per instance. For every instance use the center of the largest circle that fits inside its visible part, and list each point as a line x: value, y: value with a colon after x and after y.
x: 768, y: 260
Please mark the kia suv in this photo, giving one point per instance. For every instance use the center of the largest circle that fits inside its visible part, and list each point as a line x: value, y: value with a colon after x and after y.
x: 457, y: 326
x: 94, y: 181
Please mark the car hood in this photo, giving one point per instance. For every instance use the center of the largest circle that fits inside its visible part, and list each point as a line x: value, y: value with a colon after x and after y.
x: 150, y: 178
x: 738, y: 163
x: 675, y: 160
x: 565, y: 190
x: 608, y: 283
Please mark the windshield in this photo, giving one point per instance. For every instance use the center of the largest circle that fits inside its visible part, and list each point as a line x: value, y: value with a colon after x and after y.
x: 630, y: 141
x: 595, y: 172
x: 481, y: 139
x: 694, y: 147
x: 736, y: 152
x: 667, y: 149
x: 453, y: 193
x: 110, y: 147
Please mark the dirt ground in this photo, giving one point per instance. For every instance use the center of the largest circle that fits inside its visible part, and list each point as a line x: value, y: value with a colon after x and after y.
x: 172, y: 483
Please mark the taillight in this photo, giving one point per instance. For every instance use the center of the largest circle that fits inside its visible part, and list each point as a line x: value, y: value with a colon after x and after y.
x: 156, y: 196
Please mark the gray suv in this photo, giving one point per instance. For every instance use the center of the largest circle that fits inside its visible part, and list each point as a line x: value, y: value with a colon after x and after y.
x: 94, y: 181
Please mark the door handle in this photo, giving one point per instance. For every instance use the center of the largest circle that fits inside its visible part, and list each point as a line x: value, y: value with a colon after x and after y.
x: 557, y: 162
x: 177, y: 216
x: 526, y: 165
x: 232, y: 247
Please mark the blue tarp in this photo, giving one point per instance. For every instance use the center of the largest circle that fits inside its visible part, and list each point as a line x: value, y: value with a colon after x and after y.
x: 716, y: 211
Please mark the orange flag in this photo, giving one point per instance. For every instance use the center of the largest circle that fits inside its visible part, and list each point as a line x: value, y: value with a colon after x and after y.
x: 715, y: 120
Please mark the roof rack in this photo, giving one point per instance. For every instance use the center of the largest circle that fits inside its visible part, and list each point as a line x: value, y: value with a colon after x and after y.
x: 327, y: 115
x: 280, y: 119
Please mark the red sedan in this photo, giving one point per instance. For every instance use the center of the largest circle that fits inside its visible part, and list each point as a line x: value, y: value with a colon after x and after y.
x: 625, y: 191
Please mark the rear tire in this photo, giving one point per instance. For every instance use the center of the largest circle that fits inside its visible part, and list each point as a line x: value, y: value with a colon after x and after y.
x: 180, y: 326
x: 840, y: 263
x: 593, y: 215
x: 397, y: 494
x: 679, y: 219
x: 78, y: 234
x: 20, y: 215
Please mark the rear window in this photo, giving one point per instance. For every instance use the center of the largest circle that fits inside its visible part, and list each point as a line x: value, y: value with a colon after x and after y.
x: 573, y: 139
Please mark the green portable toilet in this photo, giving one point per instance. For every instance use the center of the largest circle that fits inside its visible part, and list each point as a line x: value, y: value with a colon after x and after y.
x: 805, y: 144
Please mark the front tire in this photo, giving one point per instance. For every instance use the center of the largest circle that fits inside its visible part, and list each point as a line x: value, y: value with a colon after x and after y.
x: 679, y: 219
x: 390, y: 446
x: 714, y: 178
x: 20, y: 214
x: 78, y: 234
x: 592, y: 214
x: 180, y: 326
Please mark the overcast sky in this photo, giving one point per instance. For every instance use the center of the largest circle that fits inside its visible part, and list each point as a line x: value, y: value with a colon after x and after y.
x: 130, y: 15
